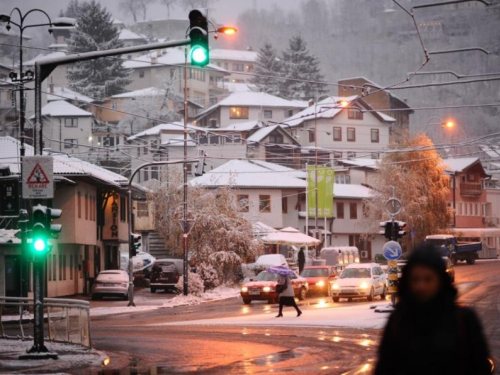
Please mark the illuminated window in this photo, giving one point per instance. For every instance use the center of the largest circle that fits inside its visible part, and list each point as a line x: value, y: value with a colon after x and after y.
x: 238, y: 113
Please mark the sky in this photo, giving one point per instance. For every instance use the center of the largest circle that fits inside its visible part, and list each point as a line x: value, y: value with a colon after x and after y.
x: 224, y: 11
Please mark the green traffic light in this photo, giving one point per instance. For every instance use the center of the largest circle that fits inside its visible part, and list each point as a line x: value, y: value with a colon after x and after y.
x: 199, y: 55
x: 39, y: 245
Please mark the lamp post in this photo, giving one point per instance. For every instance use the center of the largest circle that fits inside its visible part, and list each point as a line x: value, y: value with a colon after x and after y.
x: 344, y: 104
x: 23, y: 77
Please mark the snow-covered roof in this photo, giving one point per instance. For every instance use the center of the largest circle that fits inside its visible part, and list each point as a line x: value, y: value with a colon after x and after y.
x: 262, y: 133
x: 325, y: 109
x: 361, y: 162
x: 41, y: 56
x: 240, y: 87
x: 155, y: 130
x: 491, y: 151
x: 171, y: 56
x: 247, y: 174
x: 176, y: 140
x: 243, y: 126
x: 149, y: 91
x: 62, y: 108
x: 58, y: 46
x: 250, y: 99
x: 9, y: 236
x: 458, y: 164
x: 63, y: 164
x: 126, y: 34
x: 351, y: 191
x: 62, y: 93
x: 280, y: 168
x: 233, y: 54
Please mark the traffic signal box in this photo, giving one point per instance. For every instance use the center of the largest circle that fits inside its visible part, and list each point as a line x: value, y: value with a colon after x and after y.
x: 198, y: 33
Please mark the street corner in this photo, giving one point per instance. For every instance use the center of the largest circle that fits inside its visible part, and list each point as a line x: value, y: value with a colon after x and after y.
x: 69, y: 358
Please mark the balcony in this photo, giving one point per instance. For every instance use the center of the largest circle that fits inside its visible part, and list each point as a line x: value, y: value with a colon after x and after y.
x: 471, y: 189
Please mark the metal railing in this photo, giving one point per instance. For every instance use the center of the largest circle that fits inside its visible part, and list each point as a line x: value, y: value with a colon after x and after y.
x: 469, y: 188
x: 67, y: 320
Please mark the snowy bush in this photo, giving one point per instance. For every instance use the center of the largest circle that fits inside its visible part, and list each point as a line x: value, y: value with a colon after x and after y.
x: 228, y: 266
x: 195, y: 284
x: 209, y: 275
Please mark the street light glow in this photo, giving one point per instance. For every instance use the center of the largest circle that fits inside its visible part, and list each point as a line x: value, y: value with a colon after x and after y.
x: 228, y: 30
x: 344, y: 103
x: 449, y: 124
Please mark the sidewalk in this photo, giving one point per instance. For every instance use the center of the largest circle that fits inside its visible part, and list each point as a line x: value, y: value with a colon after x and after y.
x: 71, y: 357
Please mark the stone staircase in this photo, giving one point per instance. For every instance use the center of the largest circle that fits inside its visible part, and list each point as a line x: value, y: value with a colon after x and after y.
x: 157, y: 246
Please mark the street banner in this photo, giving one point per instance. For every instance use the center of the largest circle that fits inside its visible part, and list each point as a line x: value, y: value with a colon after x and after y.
x: 325, y: 179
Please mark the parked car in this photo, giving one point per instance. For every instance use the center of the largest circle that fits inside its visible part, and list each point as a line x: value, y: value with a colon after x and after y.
x: 272, y: 260
x: 263, y: 288
x: 364, y: 280
x: 319, y: 277
x: 165, y: 274
x: 111, y: 283
x: 454, y: 249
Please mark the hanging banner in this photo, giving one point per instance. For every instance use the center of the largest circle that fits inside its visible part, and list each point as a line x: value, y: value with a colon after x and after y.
x: 325, y: 180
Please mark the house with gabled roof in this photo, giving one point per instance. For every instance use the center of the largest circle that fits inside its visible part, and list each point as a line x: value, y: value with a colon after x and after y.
x: 94, y: 203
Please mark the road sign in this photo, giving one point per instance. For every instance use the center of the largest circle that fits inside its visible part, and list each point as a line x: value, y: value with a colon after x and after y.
x: 392, y: 250
x: 38, y: 177
x: 393, y: 206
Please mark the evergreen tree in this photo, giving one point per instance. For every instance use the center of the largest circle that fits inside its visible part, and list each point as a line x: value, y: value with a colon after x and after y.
x: 95, y: 31
x: 267, y: 64
x: 298, y: 63
x: 72, y: 10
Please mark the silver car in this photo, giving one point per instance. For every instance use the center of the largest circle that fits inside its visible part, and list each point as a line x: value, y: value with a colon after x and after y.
x: 113, y: 283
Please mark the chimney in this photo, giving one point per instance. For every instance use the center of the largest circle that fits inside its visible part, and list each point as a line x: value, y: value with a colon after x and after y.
x: 51, y: 88
x: 154, y: 59
x: 310, y: 103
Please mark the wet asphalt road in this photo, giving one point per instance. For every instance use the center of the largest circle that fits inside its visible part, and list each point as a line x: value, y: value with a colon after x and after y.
x: 135, y: 347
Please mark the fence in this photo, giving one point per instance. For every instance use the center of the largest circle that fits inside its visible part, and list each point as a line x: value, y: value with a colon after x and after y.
x: 65, y: 320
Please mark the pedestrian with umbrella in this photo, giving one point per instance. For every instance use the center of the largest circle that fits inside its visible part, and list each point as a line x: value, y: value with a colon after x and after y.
x: 285, y: 289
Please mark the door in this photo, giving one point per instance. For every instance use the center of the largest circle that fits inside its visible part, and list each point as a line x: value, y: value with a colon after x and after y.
x: 12, y: 276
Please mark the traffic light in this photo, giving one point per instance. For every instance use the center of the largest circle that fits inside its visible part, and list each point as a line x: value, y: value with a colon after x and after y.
x: 135, y: 243
x: 200, y: 167
x: 198, y: 33
x: 387, y: 232
x: 401, y: 229
x: 39, y: 230
x: 55, y: 229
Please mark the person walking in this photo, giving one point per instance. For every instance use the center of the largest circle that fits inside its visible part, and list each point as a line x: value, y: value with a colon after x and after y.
x: 428, y: 333
x: 287, y: 297
x: 301, y: 258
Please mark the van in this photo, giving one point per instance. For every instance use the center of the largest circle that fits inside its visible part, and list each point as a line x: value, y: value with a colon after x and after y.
x: 340, y: 256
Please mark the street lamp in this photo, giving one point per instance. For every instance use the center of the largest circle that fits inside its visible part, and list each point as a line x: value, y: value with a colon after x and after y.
x: 21, y: 78
x: 341, y: 104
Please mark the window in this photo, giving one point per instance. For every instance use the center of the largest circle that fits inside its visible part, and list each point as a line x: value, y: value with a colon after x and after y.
x: 197, y: 74
x: 71, y: 122
x: 276, y: 138
x: 354, y: 114
x: 264, y: 203
x: 337, y: 134
x: 86, y: 206
x: 375, y: 136
x: 146, y: 174
x: 141, y: 73
x: 154, y: 173
x: 238, y: 67
x: 226, y: 66
x: 146, y: 149
x: 288, y: 112
x: 213, y: 140
x: 233, y: 138
x: 199, y: 98
x: 79, y: 204
x: 284, y: 205
x: 312, y: 136
x: 340, y: 210
x: 351, y: 154
x: 268, y: 113
x: 342, y: 179
x: 337, y: 155
x: 238, y: 113
x: 375, y: 155
x: 353, y: 211
x: 114, y: 104
x: 142, y: 209
x: 71, y: 143
x: 202, y: 139
x: 123, y: 209
x: 243, y: 203
x: 351, y: 134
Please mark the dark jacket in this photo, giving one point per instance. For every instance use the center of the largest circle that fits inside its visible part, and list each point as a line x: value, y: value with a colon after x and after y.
x: 301, y: 258
x: 436, y: 337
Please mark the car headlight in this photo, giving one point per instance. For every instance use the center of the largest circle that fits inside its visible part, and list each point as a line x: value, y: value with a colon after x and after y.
x: 266, y: 289
x: 364, y: 286
x: 244, y: 289
x: 320, y: 283
x: 335, y: 286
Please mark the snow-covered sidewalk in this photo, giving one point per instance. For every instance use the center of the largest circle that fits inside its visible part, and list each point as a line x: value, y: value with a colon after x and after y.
x: 70, y: 357
x: 361, y: 316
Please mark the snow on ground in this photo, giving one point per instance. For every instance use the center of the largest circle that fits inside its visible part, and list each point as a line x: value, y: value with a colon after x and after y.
x: 361, y: 316
x: 70, y: 357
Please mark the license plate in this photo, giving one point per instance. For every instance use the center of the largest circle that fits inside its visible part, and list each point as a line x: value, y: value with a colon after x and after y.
x: 109, y: 284
x: 254, y: 292
x: 346, y: 291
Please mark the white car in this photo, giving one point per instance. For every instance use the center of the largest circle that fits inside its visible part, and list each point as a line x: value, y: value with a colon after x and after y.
x: 272, y: 260
x: 111, y: 283
x: 364, y: 280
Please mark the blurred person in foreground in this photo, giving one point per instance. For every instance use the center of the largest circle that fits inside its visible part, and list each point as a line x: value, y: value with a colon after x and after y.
x: 428, y: 333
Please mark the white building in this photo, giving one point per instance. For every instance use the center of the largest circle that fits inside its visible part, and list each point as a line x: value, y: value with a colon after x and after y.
x: 237, y: 62
x: 248, y: 106
x: 66, y: 128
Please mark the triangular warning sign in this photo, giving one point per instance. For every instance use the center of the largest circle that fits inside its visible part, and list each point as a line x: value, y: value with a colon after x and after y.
x: 37, y: 176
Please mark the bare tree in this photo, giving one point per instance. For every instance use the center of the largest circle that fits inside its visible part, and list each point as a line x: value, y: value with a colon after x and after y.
x: 192, y: 4
x: 136, y: 8
x: 169, y: 4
